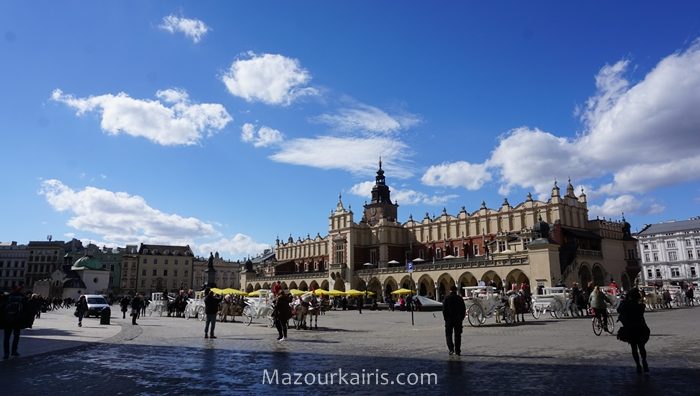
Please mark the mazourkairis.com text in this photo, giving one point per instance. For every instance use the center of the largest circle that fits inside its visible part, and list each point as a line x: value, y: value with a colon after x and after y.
x: 341, y: 377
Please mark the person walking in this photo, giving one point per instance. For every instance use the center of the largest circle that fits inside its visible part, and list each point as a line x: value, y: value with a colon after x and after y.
x: 634, y: 330
x: 360, y: 302
x: 124, y: 303
x: 282, y: 313
x: 211, y: 308
x: 12, y: 309
x: 80, y: 309
x: 136, y: 305
x: 453, y: 311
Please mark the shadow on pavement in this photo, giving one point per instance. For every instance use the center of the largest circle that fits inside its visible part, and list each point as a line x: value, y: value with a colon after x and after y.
x: 142, y: 369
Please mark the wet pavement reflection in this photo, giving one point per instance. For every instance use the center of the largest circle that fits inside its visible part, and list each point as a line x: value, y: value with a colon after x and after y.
x: 144, y: 370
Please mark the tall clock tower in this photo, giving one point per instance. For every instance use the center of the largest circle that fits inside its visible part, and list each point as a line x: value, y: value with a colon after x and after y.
x: 380, y: 207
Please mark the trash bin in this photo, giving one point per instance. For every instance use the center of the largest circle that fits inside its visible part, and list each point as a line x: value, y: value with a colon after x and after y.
x: 104, y: 316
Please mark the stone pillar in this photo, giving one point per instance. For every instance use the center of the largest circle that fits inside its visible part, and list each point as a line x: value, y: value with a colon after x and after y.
x: 544, y: 265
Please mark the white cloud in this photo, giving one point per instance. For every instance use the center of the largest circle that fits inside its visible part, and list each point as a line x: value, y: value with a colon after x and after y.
x: 268, y: 78
x: 192, y: 28
x: 239, y: 245
x: 641, y: 135
x: 365, y: 118
x: 614, y: 207
x: 457, y: 174
x: 263, y: 137
x: 353, y: 154
x: 402, y: 196
x: 121, y: 218
x: 181, y: 123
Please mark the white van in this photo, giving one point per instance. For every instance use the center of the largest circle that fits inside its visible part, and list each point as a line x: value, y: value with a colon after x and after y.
x: 96, y: 303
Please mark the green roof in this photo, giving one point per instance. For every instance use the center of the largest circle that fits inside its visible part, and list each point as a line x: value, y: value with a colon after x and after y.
x: 87, y: 263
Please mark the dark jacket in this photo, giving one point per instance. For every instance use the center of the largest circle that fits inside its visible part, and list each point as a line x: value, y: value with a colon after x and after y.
x: 13, y: 310
x: 282, y: 310
x: 453, y: 308
x: 124, y: 304
x: 81, y: 306
x: 136, y: 303
x: 632, y: 318
x: 211, y: 304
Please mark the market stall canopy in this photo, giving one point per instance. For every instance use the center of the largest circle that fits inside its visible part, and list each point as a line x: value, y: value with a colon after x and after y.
x: 296, y: 292
x: 321, y: 292
x: 336, y: 293
x: 402, y: 291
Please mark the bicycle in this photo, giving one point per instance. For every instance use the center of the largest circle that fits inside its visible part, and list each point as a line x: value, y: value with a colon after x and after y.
x: 598, y: 327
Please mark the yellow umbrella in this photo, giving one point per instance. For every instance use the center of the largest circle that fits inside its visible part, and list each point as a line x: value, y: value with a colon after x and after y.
x: 254, y: 294
x: 321, y: 292
x: 227, y: 290
x: 237, y: 292
x: 336, y: 293
x: 354, y: 293
x: 296, y: 292
x: 216, y: 290
x: 402, y: 291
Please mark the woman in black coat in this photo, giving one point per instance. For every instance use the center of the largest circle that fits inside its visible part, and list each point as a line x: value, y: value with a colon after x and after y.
x: 634, y: 328
x: 282, y: 313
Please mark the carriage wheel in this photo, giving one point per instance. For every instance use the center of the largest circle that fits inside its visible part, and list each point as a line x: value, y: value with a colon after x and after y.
x: 271, y: 321
x: 597, y: 326
x: 160, y: 311
x: 508, y: 315
x: 149, y: 310
x: 536, y: 312
x: 475, y: 315
x: 200, y: 313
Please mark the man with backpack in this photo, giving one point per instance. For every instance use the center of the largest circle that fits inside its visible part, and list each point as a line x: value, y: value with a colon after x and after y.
x: 12, y: 309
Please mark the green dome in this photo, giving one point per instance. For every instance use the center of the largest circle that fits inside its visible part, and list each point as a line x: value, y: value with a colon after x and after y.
x: 87, y: 263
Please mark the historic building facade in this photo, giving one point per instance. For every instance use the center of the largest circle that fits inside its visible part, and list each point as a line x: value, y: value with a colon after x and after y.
x: 13, y: 262
x: 157, y: 268
x: 45, y: 257
x: 670, y: 252
x: 227, y: 272
x: 535, y: 242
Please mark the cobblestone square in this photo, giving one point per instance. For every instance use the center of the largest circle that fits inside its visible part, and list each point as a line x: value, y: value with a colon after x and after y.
x: 170, y: 356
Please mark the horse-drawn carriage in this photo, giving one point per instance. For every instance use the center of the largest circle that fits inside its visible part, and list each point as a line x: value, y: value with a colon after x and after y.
x: 554, y: 300
x: 158, y: 304
x: 258, y: 307
x: 195, y: 306
x: 306, y: 305
x: 483, y: 302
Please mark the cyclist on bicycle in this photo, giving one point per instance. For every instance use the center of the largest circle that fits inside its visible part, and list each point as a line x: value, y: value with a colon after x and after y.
x: 598, y: 301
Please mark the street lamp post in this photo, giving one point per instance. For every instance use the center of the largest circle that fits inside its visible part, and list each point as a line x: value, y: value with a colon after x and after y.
x: 368, y: 267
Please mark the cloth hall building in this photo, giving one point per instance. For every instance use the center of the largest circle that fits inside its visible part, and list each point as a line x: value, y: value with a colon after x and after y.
x: 534, y: 242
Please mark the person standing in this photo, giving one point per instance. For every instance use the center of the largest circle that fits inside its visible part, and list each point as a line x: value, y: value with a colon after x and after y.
x: 360, y: 303
x: 453, y: 311
x: 12, y: 309
x: 276, y: 288
x: 211, y: 308
x: 124, y: 303
x: 634, y: 329
x: 282, y: 313
x: 80, y: 309
x: 136, y: 305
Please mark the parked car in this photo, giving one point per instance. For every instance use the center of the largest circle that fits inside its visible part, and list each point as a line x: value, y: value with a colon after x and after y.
x: 96, y: 303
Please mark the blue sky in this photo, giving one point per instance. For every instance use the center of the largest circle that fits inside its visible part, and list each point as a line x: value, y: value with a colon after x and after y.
x: 225, y: 124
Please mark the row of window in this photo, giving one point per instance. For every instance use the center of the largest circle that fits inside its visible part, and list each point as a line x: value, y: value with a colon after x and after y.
x: 14, y: 274
x: 165, y: 272
x: 675, y: 273
x: 672, y: 256
x: 9, y: 264
x: 175, y: 284
x: 165, y: 261
x: 672, y: 244
x: 43, y: 259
